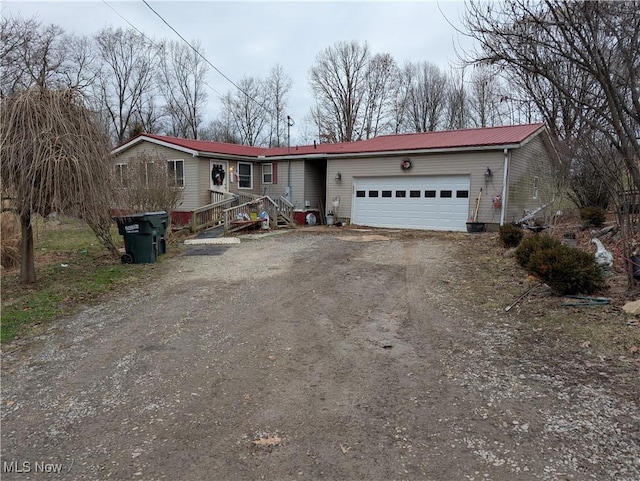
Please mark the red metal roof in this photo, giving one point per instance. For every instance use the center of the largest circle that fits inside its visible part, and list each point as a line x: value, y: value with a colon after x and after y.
x: 208, y: 146
x: 449, y: 139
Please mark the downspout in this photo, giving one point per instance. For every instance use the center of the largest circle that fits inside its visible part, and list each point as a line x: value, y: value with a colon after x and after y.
x: 505, y: 190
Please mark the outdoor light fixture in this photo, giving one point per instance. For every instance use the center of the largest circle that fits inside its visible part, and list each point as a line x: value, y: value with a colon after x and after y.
x: 338, y: 177
x: 488, y: 174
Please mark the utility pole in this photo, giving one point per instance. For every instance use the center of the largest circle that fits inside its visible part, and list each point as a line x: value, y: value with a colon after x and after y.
x: 290, y: 123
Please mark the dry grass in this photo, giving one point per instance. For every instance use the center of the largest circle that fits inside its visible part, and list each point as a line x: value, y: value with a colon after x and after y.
x: 10, y: 241
x: 578, y: 339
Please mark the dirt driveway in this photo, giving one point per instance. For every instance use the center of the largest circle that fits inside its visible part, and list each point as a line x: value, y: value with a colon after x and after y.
x: 343, y: 354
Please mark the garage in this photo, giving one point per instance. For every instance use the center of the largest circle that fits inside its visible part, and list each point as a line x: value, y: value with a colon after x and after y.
x: 412, y: 202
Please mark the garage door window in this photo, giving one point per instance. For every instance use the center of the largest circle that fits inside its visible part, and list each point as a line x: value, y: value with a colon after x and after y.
x: 429, y: 193
x: 462, y: 194
x: 386, y: 193
x: 414, y: 193
x: 445, y: 194
x: 401, y: 193
x: 373, y: 193
x: 360, y: 193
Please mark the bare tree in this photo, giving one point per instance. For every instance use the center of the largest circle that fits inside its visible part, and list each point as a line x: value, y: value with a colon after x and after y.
x: 587, y: 52
x: 182, y: 84
x: 55, y: 158
x: 457, y: 102
x: 486, y: 98
x: 127, y: 71
x: 381, y: 83
x: 427, y: 96
x: 220, y: 130
x: 33, y: 54
x: 247, y: 112
x: 338, y: 83
x: 278, y: 85
x: 399, y: 114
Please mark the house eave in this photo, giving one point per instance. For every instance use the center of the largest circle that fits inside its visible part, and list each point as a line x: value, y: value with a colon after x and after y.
x: 392, y: 153
x: 144, y: 138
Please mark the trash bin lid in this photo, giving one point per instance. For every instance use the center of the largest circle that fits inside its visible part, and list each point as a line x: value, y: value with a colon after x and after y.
x: 311, y: 219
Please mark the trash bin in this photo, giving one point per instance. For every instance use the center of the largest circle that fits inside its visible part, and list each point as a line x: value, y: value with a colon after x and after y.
x: 330, y: 218
x: 144, y: 236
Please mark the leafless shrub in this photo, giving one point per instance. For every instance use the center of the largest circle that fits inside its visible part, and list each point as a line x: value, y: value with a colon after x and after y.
x: 149, y: 184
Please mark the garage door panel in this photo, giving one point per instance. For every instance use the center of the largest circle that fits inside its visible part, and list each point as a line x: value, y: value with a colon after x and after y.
x: 420, y: 202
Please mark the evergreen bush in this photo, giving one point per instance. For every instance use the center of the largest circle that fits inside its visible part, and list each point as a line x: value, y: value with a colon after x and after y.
x: 510, y: 235
x: 566, y: 270
x: 593, y: 216
x: 532, y: 243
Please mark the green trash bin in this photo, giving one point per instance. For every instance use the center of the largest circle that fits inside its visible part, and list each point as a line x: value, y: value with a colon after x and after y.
x: 144, y: 236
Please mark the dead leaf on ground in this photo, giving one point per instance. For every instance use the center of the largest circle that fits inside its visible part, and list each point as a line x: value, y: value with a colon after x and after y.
x: 585, y: 344
x: 345, y: 449
x: 269, y: 441
x: 273, y: 358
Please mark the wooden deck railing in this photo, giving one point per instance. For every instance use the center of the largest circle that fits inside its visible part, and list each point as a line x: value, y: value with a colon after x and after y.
x: 285, y: 208
x: 211, y: 214
x: 239, y: 206
x: 256, y: 207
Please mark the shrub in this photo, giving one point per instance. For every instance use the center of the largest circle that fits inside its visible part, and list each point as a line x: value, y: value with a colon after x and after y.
x: 510, y: 235
x: 593, y: 216
x: 566, y: 270
x: 531, y: 244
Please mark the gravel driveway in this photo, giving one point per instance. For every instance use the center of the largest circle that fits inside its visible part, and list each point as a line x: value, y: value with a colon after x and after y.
x: 316, y: 354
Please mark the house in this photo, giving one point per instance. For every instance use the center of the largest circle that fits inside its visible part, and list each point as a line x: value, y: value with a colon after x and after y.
x: 434, y: 180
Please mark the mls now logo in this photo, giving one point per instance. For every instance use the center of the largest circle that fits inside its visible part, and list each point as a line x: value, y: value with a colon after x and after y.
x: 29, y: 467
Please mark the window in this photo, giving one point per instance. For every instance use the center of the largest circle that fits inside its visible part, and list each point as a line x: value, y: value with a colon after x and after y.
x: 445, y: 194
x: 386, y: 193
x: 462, y: 194
x: 414, y: 193
x: 429, y: 194
x: 121, y: 173
x: 536, y: 182
x: 176, y: 172
x: 245, y: 177
x: 360, y: 193
x: 267, y: 174
x: 373, y: 193
x: 401, y: 193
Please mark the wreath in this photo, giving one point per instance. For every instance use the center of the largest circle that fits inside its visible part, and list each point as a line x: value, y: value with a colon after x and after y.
x: 406, y: 164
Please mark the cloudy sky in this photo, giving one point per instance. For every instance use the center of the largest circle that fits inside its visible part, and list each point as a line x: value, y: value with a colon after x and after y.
x: 249, y: 37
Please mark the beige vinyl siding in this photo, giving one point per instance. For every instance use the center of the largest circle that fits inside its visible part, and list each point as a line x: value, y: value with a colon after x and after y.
x: 314, y: 182
x: 190, y: 196
x: 275, y: 190
x: 526, y: 163
x: 297, y: 183
x: 462, y: 163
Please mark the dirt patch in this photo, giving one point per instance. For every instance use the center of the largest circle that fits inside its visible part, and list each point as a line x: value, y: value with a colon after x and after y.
x: 308, y: 356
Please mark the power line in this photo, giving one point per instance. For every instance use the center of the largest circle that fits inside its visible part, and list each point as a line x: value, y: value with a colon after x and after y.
x: 206, y: 60
x: 151, y: 41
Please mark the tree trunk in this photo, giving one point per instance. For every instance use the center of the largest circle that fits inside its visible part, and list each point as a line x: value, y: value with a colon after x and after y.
x: 27, y: 264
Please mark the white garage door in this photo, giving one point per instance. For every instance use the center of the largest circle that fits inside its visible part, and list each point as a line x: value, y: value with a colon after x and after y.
x: 424, y: 202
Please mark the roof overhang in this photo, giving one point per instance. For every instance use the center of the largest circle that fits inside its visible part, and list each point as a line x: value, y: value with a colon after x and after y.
x: 144, y: 138
x: 393, y: 153
x: 325, y: 155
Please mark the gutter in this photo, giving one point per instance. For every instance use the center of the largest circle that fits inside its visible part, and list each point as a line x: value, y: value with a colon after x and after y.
x: 393, y: 153
x: 505, y: 190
